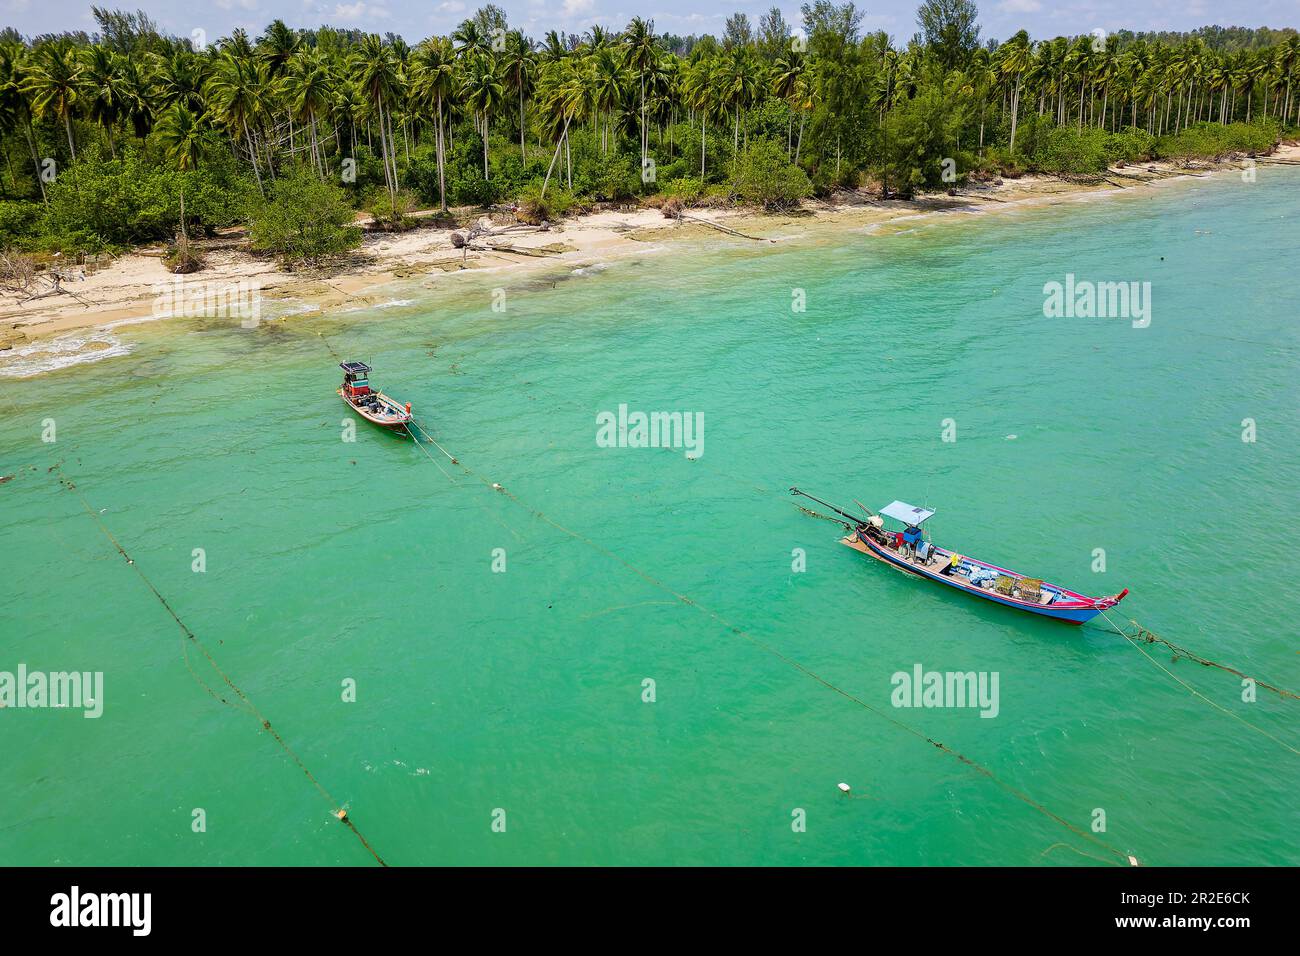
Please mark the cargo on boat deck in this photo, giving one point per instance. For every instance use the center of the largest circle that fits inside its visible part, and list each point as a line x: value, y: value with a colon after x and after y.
x: 911, y: 550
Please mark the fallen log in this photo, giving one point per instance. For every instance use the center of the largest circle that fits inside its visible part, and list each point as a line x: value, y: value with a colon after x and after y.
x: 715, y: 225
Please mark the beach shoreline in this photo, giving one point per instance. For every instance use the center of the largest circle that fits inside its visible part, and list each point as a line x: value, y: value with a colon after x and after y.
x: 126, y: 292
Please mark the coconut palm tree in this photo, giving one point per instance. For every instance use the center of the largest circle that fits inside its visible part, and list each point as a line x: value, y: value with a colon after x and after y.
x: 308, y: 88
x: 700, y: 88
x: 235, y: 95
x: 374, y: 69
x: 183, y: 137
x: 136, y: 93
x: 483, y: 92
x: 432, y: 85
x: 103, y: 97
x: 1016, y: 58
x: 54, y: 82
x: 609, y: 82
x: 519, y: 63
x: 640, y: 52
x: 787, y: 77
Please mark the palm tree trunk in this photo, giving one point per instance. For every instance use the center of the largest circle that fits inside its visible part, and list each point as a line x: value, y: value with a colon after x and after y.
x: 67, y: 125
x: 703, y: 141
x: 1015, y: 112
x: 523, y: 153
x: 486, y: 174
x: 563, y: 134
x: 252, y: 156
x: 442, y: 176
x: 36, y: 162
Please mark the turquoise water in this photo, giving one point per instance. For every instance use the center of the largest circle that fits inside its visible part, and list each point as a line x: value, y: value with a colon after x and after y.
x: 475, y: 690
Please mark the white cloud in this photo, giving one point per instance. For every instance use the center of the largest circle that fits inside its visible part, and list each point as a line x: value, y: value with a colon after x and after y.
x: 1020, y: 6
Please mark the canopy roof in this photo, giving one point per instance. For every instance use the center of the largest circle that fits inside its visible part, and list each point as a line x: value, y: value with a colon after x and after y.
x: 354, y: 368
x: 902, y: 511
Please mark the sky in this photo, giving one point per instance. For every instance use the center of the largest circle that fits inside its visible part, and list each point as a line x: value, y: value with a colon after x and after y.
x: 416, y: 19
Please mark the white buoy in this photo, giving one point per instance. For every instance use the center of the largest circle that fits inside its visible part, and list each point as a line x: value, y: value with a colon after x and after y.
x: 844, y: 787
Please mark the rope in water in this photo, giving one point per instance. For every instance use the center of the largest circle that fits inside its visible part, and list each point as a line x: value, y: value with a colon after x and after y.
x: 1150, y: 637
x: 1124, y: 858
x: 1215, y: 704
x: 192, y: 639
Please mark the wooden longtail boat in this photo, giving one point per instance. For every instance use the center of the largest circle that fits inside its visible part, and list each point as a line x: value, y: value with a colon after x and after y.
x: 912, y: 552
x: 373, y: 406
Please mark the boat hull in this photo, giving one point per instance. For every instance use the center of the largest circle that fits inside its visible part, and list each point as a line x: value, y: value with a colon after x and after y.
x: 393, y: 416
x: 1070, y: 611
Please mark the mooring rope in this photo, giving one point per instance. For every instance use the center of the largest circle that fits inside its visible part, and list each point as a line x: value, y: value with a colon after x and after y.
x: 335, y: 806
x: 1150, y: 637
x: 1213, y: 703
x: 784, y: 658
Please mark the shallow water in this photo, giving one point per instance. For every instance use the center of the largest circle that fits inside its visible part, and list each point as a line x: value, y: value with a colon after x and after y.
x: 329, y: 560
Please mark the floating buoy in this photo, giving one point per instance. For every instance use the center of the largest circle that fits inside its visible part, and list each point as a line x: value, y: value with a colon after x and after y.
x: 844, y: 787
x: 495, y: 486
x: 1133, y: 861
x: 341, y: 814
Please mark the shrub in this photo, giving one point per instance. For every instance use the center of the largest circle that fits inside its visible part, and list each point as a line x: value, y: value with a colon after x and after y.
x: 19, y: 223
x: 303, y: 220
x: 1069, y: 151
x: 685, y: 190
x: 392, y: 212
x: 99, y: 203
x: 535, y: 209
x: 765, y: 176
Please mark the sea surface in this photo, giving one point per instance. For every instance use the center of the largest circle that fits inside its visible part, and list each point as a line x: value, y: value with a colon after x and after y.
x: 646, y: 656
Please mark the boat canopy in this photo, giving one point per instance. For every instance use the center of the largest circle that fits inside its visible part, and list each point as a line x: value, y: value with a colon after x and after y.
x: 354, y: 368
x: 909, y: 514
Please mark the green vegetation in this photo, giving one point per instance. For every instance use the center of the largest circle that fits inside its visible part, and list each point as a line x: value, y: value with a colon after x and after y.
x: 102, y: 133
x: 303, y: 220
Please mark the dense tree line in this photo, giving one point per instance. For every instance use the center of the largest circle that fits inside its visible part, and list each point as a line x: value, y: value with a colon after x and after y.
x: 488, y: 113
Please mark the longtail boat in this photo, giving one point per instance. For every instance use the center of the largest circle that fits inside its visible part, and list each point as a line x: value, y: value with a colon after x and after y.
x: 373, y: 406
x: 910, y: 550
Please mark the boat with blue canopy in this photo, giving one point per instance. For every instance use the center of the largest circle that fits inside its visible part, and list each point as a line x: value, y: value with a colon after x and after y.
x: 370, y: 403
x: 896, y: 536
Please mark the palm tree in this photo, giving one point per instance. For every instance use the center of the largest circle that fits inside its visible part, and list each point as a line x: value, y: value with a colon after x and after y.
x: 699, y: 87
x: 183, y: 137
x: 100, y: 77
x: 1016, y: 59
x: 15, y: 104
x: 308, y: 87
x: 483, y: 93
x: 609, y: 82
x: 787, y: 81
x: 432, y: 84
x: 374, y: 68
x: 639, y: 53
x: 518, y: 62
x: 54, y: 81
x: 234, y: 93
x: 740, y: 83
x: 136, y: 94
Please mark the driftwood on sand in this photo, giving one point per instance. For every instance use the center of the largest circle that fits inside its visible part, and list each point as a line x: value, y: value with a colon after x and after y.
x: 720, y: 228
x: 20, y: 277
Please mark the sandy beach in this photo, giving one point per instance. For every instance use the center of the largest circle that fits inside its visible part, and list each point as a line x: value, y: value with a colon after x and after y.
x: 127, y: 288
